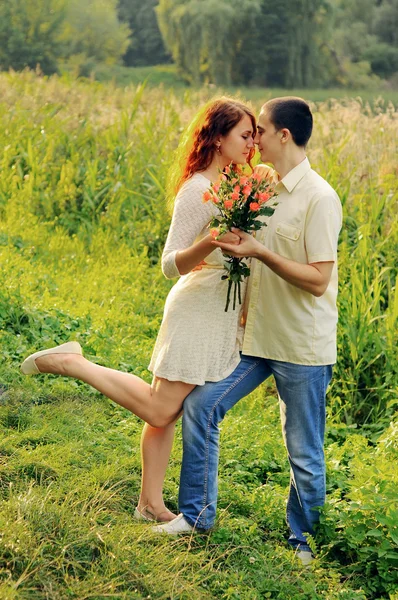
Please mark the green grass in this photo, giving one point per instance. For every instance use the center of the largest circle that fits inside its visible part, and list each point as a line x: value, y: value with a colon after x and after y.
x: 167, y: 75
x: 83, y: 222
x: 158, y: 75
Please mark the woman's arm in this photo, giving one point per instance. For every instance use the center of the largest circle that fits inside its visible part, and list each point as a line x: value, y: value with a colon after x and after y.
x: 188, y: 259
x: 191, y: 215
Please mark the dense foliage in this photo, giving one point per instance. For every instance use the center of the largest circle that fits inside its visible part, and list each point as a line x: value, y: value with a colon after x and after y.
x: 146, y: 44
x: 49, y: 33
x: 283, y: 43
x: 83, y: 222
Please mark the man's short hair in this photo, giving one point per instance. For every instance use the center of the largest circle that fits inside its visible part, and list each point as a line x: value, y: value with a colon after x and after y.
x: 293, y: 114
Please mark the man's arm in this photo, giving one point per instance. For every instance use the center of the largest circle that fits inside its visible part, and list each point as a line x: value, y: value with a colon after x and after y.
x: 313, y: 278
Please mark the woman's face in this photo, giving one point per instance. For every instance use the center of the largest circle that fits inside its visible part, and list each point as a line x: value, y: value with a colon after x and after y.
x: 236, y: 145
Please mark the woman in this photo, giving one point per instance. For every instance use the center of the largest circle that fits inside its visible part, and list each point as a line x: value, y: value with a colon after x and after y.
x: 197, y: 341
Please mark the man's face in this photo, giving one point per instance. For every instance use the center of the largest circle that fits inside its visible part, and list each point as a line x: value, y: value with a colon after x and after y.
x: 268, y: 139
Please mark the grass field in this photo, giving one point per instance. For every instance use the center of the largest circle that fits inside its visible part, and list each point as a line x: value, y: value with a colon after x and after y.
x: 83, y: 223
x: 167, y: 76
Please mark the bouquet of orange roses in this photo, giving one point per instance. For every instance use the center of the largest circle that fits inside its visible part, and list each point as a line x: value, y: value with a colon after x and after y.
x: 241, y: 200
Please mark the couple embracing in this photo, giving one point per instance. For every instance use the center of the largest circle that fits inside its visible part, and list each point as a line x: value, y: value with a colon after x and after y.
x: 206, y: 359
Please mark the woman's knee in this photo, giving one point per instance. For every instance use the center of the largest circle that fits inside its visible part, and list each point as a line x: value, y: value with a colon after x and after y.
x: 162, y: 420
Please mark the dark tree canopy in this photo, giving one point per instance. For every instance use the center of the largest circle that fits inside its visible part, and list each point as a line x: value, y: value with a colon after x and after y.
x: 291, y: 43
x: 146, y: 43
x: 284, y: 43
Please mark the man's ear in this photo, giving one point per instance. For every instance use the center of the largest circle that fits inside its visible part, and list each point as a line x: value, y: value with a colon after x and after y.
x: 285, y: 135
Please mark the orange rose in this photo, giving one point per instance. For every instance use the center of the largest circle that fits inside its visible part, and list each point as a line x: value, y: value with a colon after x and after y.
x: 216, y: 188
x: 235, y: 196
x: 207, y: 196
x: 244, y: 180
x: 214, y: 232
x: 237, y: 189
x: 247, y: 190
x: 254, y: 206
x: 263, y: 197
x: 228, y: 204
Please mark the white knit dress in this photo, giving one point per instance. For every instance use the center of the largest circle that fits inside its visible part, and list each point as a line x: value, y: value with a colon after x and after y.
x: 198, y: 341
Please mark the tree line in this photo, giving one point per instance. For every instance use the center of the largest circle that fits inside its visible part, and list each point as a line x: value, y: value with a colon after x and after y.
x: 287, y: 43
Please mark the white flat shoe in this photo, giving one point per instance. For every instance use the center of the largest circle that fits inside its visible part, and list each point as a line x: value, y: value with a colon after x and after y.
x: 305, y: 557
x: 177, y: 526
x: 29, y: 366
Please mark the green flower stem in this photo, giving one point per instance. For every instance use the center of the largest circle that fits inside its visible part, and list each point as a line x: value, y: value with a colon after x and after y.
x: 228, y: 294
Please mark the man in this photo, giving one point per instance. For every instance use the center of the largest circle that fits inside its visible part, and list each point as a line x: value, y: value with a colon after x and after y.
x: 290, y: 332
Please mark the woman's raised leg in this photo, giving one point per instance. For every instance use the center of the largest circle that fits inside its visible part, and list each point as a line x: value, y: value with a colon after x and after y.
x: 158, y: 404
x: 156, y: 445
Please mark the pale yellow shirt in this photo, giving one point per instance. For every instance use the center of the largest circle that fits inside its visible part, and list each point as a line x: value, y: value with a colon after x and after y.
x: 283, y: 322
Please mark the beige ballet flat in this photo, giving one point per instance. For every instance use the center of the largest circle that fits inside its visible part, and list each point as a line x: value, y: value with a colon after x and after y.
x: 29, y: 366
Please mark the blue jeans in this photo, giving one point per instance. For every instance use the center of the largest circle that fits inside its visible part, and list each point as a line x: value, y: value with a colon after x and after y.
x: 302, y: 391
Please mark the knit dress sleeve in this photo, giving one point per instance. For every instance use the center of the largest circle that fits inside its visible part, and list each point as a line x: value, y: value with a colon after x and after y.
x: 191, y: 217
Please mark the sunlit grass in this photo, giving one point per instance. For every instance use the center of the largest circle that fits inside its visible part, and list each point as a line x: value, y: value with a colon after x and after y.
x: 83, y: 222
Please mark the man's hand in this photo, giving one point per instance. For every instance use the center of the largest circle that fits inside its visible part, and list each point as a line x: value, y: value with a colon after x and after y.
x: 248, y: 246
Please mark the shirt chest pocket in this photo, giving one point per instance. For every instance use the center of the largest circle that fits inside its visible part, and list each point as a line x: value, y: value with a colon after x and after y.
x: 287, y: 231
x: 287, y: 241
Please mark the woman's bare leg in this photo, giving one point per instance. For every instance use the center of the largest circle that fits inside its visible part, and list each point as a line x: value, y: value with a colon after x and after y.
x: 158, y: 404
x: 156, y: 445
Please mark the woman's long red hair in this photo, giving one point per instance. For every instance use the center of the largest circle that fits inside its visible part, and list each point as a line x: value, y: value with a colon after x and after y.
x: 197, y: 146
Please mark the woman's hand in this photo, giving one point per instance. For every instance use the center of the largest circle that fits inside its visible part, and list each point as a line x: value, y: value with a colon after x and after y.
x: 226, y: 238
x: 248, y: 246
x: 229, y: 238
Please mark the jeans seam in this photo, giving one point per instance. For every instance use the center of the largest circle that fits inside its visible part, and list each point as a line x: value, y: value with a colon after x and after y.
x: 321, y: 399
x: 231, y: 387
x: 320, y: 450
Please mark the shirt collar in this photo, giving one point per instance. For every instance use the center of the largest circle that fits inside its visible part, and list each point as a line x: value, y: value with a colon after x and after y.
x: 295, y: 175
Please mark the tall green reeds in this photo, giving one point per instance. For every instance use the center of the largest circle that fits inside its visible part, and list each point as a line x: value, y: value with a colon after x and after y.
x: 83, y: 220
